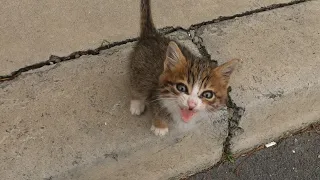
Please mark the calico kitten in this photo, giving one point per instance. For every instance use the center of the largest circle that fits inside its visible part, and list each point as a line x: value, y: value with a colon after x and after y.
x: 175, y: 83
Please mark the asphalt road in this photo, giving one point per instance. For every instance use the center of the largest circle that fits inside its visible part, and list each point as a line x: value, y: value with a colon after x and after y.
x: 294, y: 158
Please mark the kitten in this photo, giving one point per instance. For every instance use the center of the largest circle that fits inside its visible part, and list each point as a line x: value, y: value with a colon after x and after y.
x: 176, y: 84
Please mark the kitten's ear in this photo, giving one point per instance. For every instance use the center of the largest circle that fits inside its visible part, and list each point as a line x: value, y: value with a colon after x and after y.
x: 226, y: 69
x: 174, y: 56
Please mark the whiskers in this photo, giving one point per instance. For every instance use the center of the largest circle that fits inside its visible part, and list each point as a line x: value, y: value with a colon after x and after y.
x: 166, y: 104
x: 163, y: 99
x: 210, y: 110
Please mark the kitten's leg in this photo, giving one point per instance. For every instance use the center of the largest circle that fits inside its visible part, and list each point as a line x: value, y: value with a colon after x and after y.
x: 159, y: 124
x: 159, y: 127
x: 138, y: 103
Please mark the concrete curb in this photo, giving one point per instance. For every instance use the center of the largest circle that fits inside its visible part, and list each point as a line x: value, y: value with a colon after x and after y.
x: 69, y: 120
x: 279, y: 79
x: 56, y: 131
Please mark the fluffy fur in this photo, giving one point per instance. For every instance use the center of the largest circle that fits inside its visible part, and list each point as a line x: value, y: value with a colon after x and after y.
x: 176, y: 84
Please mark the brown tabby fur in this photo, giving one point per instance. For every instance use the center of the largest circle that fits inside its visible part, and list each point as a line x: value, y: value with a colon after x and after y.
x: 158, y: 64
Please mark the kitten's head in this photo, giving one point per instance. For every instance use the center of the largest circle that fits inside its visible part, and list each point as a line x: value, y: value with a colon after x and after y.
x: 193, y: 85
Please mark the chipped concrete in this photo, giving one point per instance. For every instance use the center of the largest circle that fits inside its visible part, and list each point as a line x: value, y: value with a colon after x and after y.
x: 279, y: 79
x: 33, y: 30
x: 71, y: 121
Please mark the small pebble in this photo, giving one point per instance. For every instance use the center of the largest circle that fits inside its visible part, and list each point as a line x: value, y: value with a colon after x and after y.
x: 295, y: 169
x: 319, y: 156
x: 270, y: 144
x: 191, y: 33
x: 293, y: 151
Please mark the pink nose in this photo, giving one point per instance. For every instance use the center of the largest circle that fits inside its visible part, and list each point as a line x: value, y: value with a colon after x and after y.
x: 192, y: 104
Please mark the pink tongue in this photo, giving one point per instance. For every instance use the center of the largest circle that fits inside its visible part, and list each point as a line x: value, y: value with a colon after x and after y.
x: 186, y: 114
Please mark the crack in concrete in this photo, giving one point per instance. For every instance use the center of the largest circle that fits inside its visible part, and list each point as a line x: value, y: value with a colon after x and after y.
x: 166, y: 30
x: 194, y: 36
x: 198, y: 41
x: 56, y: 59
x: 247, y: 13
x: 235, y: 114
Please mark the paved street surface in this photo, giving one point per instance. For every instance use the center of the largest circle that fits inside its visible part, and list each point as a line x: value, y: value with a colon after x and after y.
x: 295, y: 158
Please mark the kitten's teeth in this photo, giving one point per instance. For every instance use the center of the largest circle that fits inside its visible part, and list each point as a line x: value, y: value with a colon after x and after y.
x: 137, y: 107
x: 159, y: 131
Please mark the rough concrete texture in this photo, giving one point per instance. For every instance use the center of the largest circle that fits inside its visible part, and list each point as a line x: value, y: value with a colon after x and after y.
x: 295, y: 158
x: 71, y: 121
x: 32, y: 30
x: 278, y: 81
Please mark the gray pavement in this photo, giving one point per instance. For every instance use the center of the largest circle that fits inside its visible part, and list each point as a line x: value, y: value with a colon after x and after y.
x: 294, y: 158
x: 70, y: 120
x: 31, y: 31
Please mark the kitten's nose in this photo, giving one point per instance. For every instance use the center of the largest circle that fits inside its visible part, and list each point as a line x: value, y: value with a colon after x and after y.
x: 192, y: 104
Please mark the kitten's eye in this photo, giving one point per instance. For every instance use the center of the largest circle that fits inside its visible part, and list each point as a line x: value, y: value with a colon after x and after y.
x: 207, y: 94
x: 182, y: 88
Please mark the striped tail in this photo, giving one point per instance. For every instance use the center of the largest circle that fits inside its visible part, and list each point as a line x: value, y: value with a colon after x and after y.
x: 147, y: 26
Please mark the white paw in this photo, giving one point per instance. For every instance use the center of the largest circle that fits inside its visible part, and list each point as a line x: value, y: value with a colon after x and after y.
x: 137, y: 107
x: 159, y: 131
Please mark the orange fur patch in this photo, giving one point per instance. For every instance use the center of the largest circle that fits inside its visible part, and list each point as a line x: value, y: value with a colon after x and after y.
x: 160, y: 124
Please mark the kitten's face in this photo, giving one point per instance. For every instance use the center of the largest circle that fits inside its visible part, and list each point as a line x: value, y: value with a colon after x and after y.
x: 193, y: 85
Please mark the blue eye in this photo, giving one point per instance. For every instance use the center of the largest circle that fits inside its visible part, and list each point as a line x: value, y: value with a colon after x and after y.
x: 182, y: 88
x: 207, y: 94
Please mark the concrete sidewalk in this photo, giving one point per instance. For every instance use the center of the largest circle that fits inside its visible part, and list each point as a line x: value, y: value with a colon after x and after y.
x: 31, y: 31
x: 71, y: 120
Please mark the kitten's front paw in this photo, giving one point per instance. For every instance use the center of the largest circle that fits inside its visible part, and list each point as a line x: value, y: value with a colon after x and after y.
x: 159, y: 131
x: 137, y: 107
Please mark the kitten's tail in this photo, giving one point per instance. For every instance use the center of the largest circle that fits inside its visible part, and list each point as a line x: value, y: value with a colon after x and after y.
x: 147, y: 26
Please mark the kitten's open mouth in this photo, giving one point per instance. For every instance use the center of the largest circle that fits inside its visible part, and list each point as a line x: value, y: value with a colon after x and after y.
x: 186, y: 114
